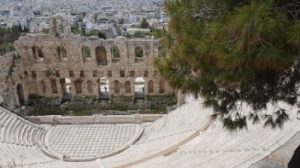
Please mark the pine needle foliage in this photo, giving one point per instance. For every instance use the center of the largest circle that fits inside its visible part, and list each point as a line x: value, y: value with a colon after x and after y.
x: 232, y: 52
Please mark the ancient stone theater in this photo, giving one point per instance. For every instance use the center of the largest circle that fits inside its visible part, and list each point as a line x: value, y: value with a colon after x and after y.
x: 70, y: 69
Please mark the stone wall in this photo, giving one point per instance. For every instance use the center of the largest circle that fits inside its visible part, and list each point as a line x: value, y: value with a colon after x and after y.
x: 96, y: 119
x: 81, y: 66
x: 9, y: 78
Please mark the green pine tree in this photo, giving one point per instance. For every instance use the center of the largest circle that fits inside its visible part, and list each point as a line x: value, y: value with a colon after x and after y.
x: 232, y: 52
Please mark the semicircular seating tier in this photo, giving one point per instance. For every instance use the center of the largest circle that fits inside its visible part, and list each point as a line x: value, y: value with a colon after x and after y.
x: 186, y: 137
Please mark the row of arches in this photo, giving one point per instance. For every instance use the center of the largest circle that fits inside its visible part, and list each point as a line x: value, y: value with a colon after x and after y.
x: 100, y: 51
x: 104, y: 86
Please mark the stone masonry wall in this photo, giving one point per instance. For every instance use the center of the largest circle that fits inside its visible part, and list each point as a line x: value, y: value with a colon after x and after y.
x: 44, y: 68
x: 9, y: 78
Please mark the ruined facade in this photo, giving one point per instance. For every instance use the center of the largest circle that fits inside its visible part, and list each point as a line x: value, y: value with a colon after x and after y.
x: 65, y: 67
x: 10, y: 76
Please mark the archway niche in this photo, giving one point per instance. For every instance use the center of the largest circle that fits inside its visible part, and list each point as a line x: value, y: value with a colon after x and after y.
x: 90, y: 86
x: 127, y: 87
x: 40, y: 54
x: 66, y: 89
x: 43, y: 87
x: 116, y: 87
x: 138, y: 53
x: 104, y: 88
x: 62, y: 53
x: 115, y: 52
x: 139, y: 88
x: 34, y: 52
x: 150, y: 86
x: 161, y: 86
x: 37, y: 53
x: 54, y: 86
x: 101, y: 56
x: 20, y: 93
x: 86, y: 53
x: 78, y: 86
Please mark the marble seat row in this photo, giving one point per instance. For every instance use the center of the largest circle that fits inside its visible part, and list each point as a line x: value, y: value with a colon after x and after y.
x: 21, y: 141
x: 185, y: 138
x: 17, y: 130
x: 217, y: 148
x: 165, y: 135
x: 238, y: 153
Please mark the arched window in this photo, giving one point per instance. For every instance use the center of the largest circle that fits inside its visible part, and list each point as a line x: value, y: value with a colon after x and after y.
x: 54, y: 86
x: 161, y: 86
x: 34, y: 52
x: 40, y: 54
x: 90, y: 86
x: 86, y: 53
x: 115, y: 52
x: 150, y: 86
x: 37, y: 53
x: 78, y: 86
x: 138, y: 53
x: 116, y: 86
x: 62, y: 53
x: 122, y: 73
x: 127, y: 87
x: 101, y: 56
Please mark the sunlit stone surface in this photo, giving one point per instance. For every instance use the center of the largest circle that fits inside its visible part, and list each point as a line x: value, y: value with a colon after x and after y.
x: 91, y: 140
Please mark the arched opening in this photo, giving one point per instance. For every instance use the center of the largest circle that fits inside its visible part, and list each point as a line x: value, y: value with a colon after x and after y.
x: 40, y: 54
x: 146, y: 74
x: 78, y: 86
x: 20, y: 93
x: 90, y: 86
x: 150, y: 86
x: 86, y: 53
x: 37, y: 53
x: 115, y: 52
x: 122, y: 74
x: 127, y: 87
x: 161, y: 86
x: 62, y: 53
x: 66, y: 89
x: 139, y: 88
x: 104, y: 88
x: 101, y: 56
x: 116, y: 87
x: 43, y: 87
x: 138, y: 53
x: 34, y: 52
x: 33, y: 74
x: 54, y: 86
